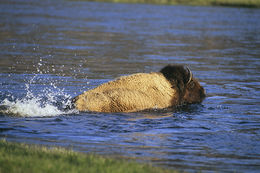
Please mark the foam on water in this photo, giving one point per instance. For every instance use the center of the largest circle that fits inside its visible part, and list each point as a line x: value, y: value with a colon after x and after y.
x: 51, y: 101
x: 30, y: 108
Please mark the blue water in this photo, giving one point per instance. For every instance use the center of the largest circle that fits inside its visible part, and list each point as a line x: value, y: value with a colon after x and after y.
x: 52, y: 51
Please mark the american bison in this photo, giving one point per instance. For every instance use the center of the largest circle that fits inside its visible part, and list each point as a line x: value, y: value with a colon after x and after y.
x: 174, y: 85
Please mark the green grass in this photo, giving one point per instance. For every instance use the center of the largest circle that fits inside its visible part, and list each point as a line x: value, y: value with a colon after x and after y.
x: 16, y: 158
x: 234, y: 3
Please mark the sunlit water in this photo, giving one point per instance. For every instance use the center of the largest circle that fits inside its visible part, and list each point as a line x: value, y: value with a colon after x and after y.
x: 52, y: 51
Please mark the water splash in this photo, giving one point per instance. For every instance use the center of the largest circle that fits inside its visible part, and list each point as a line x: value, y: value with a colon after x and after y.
x: 46, y: 104
x: 29, y: 108
x: 39, y: 100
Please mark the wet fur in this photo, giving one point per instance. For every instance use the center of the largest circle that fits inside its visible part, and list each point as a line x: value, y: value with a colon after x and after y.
x: 172, y: 86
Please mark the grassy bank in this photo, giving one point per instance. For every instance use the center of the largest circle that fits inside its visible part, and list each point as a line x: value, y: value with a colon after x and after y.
x: 233, y: 3
x: 15, y: 157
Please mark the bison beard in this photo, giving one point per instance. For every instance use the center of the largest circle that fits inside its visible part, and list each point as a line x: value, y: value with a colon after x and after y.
x: 174, y: 85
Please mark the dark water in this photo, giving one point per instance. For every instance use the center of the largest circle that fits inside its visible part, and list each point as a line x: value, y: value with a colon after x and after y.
x: 53, y: 50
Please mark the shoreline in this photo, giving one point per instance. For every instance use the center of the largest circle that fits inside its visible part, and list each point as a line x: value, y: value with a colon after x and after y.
x: 223, y: 3
x: 20, y: 157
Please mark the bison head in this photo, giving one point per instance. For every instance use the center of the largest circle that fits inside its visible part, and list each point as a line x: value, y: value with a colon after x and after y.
x: 182, y: 80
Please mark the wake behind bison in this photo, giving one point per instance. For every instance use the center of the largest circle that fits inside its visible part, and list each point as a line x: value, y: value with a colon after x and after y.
x: 174, y: 85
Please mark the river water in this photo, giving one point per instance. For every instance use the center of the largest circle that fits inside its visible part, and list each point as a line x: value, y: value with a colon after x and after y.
x: 52, y: 51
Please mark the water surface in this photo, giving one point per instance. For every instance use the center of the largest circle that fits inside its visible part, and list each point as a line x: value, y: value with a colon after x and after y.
x: 52, y: 51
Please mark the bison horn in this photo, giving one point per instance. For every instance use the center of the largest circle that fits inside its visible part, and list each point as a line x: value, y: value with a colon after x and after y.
x: 190, y: 75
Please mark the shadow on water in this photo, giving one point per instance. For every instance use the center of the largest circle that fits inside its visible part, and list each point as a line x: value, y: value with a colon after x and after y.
x: 52, y: 51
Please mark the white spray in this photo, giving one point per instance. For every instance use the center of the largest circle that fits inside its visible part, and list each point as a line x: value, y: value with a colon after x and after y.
x: 47, y: 102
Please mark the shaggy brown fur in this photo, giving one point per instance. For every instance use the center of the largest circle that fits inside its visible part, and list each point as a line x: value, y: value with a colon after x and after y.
x: 172, y: 86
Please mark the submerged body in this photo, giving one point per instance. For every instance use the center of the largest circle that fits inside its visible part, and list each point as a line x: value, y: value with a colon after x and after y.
x: 142, y: 91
